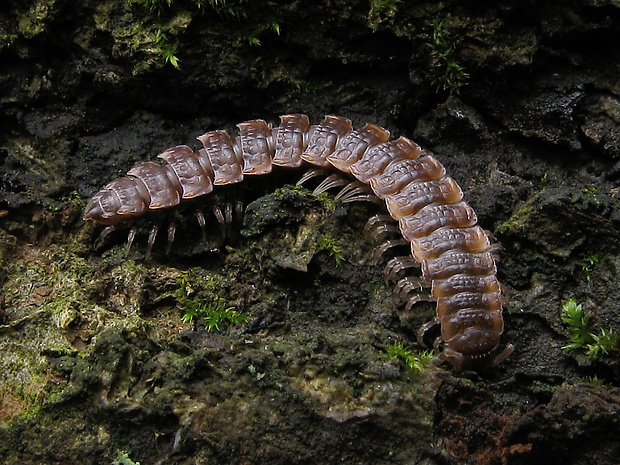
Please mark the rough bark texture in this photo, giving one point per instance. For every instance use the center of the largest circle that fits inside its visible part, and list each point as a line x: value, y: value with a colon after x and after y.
x: 111, y: 359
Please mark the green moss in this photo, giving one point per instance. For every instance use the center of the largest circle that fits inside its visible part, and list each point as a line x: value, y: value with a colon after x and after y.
x: 334, y: 249
x: 583, y: 335
x: 519, y: 220
x: 161, y: 7
x: 52, y: 315
x: 596, y: 381
x: 24, y: 372
x: 156, y: 42
x: 35, y: 20
x: 213, y: 315
x: 587, y: 264
x: 158, y: 26
x: 253, y: 36
x: 415, y: 361
x: 310, y: 87
x: 590, y: 190
x: 147, y: 36
x: 579, y: 323
x: 209, y: 309
x: 167, y: 48
x: 328, y: 201
x: 122, y: 458
x: 284, y: 206
x: 380, y: 11
x: 446, y: 73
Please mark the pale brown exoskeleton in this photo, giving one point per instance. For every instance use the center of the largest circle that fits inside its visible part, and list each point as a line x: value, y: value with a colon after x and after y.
x: 454, y: 253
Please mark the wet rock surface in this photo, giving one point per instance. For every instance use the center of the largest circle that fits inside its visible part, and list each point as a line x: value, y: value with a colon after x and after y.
x: 268, y: 342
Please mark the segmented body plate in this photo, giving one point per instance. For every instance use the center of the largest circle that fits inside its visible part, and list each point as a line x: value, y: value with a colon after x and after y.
x: 454, y: 253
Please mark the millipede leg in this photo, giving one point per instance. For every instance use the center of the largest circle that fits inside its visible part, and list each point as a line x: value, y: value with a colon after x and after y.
x: 333, y: 180
x: 228, y: 213
x: 130, y: 237
x: 309, y: 175
x: 200, y: 216
x: 152, y: 236
x: 397, y: 264
x: 372, y: 198
x: 171, y: 230
x: 418, y: 298
x: 376, y: 219
x: 423, y: 329
x: 503, y: 354
x: 357, y: 192
x: 217, y: 211
x: 457, y: 357
x: 239, y: 210
x: 352, y: 188
x: 382, y: 229
x: 406, y: 285
x: 387, y: 245
x: 107, y: 230
x: 439, y: 359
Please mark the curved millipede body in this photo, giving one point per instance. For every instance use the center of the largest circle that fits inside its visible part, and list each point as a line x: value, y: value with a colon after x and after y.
x: 453, y: 252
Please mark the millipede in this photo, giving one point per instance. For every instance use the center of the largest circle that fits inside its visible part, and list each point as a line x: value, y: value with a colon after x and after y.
x: 423, y: 203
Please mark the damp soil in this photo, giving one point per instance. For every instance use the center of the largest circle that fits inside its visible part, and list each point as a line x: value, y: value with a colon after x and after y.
x: 268, y: 341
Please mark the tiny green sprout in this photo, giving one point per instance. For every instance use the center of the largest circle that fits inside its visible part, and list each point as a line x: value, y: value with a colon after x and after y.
x: 167, y: 49
x: 155, y: 6
x: 582, y: 335
x: 604, y: 343
x: 312, y: 87
x: 161, y: 6
x: 410, y: 29
x: 122, y: 458
x: 414, y: 361
x: 596, y: 381
x: 380, y: 10
x: 255, y: 41
x: 578, y: 322
x: 213, y: 314
x: 446, y: 73
x: 170, y: 57
x: 586, y: 264
x: 332, y: 247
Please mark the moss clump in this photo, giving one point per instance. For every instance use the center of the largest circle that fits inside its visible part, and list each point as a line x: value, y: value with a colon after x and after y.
x: 35, y: 20
x: 446, y: 73
x: 587, y: 264
x: 161, y: 23
x: 122, y: 458
x: 53, y: 313
x: 210, y: 310
x: 160, y: 7
x: 380, y: 11
x: 415, y: 361
x: 334, y: 249
x: 583, y: 335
